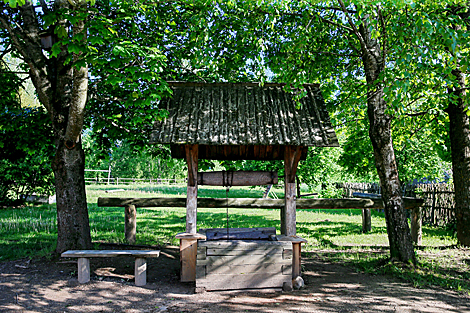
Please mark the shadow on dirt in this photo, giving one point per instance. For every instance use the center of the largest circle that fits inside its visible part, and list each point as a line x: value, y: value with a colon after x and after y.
x: 51, y: 286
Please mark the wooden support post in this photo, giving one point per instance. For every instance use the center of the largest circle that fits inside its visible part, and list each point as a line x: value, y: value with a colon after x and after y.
x: 130, y: 223
x: 288, y: 213
x: 83, y: 270
x: 366, y: 221
x: 299, y: 192
x: 296, y: 259
x: 188, y: 255
x: 140, y: 271
x: 191, y: 196
x: 416, y: 224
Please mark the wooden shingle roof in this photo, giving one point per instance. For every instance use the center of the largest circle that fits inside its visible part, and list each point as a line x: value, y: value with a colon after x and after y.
x: 244, y: 114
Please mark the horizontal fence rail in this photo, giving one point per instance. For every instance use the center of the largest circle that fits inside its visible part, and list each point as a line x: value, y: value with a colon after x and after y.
x: 129, y: 181
x: 252, y: 203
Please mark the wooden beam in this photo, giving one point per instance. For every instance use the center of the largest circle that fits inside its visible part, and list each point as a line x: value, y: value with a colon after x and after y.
x: 253, y: 203
x: 416, y: 226
x: 130, y: 223
x: 366, y: 221
x: 191, y: 195
x: 288, y: 213
x: 191, y: 160
x: 237, y: 178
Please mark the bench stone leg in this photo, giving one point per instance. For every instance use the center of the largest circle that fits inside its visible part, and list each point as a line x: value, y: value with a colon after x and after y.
x: 83, y: 270
x: 140, y: 271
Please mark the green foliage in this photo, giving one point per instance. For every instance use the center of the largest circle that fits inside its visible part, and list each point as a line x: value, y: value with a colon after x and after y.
x: 150, y: 161
x: 25, y: 157
x: 25, y: 149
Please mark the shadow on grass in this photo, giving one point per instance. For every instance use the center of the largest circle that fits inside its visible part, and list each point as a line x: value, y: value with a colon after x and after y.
x: 437, y: 232
x: 423, y: 275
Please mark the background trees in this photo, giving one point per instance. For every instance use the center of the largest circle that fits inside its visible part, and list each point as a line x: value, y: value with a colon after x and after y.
x: 387, y: 70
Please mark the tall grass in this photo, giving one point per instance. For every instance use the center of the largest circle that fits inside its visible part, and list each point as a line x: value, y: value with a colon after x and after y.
x: 335, y: 235
x: 32, y: 231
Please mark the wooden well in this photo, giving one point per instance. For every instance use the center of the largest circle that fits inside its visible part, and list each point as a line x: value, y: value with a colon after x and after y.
x: 249, y: 258
x: 245, y: 121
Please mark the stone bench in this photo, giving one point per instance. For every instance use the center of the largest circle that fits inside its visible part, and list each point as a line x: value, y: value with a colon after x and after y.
x: 85, y: 255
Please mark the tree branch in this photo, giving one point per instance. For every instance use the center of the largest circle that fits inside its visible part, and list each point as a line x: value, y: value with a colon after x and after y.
x: 79, y: 94
x: 336, y: 24
x: 115, y: 124
x: 353, y: 27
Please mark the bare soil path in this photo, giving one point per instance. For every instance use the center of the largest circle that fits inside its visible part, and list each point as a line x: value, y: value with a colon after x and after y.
x: 51, y: 286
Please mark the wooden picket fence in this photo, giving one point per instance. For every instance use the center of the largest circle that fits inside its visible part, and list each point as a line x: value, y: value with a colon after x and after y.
x: 438, y: 208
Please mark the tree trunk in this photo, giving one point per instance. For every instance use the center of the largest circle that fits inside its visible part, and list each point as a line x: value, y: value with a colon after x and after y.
x: 460, y: 150
x: 72, y: 213
x: 380, y: 133
x: 62, y: 89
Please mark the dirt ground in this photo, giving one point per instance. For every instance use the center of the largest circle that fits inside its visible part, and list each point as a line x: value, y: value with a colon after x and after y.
x: 42, y: 285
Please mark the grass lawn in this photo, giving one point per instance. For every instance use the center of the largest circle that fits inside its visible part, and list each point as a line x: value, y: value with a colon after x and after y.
x: 333, y: 234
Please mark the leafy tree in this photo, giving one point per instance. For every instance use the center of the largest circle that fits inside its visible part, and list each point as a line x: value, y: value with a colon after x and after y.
x: 448, y: 29
x: 60, y: 75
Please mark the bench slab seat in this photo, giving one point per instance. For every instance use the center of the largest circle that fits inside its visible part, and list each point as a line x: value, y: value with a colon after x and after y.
x: 85, y: 255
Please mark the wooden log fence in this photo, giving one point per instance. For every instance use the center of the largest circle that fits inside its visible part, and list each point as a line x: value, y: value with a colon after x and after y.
x: 255, y: 203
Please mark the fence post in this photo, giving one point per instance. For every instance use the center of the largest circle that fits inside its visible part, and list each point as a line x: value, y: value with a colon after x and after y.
x: 109, y: 173
x: 130, y: 223
x: 366, y: 221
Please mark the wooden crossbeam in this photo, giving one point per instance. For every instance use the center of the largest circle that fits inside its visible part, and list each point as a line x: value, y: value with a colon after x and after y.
x: 254, y: 203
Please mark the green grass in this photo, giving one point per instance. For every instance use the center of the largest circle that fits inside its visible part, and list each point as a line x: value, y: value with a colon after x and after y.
x: 449, y: 268
x: 333, y: 234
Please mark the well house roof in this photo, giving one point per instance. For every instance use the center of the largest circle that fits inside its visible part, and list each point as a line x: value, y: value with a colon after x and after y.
x: 243, y: 114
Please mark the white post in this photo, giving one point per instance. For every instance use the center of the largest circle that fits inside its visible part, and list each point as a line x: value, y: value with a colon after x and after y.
x: 109, y: 172
x: 140, y: 272
x: 83, y: 270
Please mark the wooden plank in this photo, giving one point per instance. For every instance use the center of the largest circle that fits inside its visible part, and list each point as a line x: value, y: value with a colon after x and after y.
x: 190, y: 236
x: 200, y: 272
x: 201, y: 253
x: 230, y: 269
x: 291, y: 238
x: 237, y: 233
x: 287, y: 254
x: 188, y: 255
x: 110, y: 253
x: 230, y: 282
x: 236, y: 260
x: 270, y: 230
x: 261, y: 250
x: 237, y: 178
x: 242, y: 244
